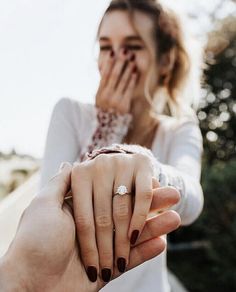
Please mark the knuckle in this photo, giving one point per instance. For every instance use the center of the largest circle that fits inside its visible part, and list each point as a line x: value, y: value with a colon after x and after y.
x: 147, y: 195
x: 121, y: 211
x: 123, y: 161
x: 83, y: 224
x: 104, y: 96
x: 142, y: 215
x: 79, y: 170
x: 122, y: 244
x: 115, y: 74
x: 103, y: 221
x: 89, y: 253
x: 113, y: 102
x: 141, y: 157
x: 101, y: 162
x: 119, y: 160
x: 123, y: 109
x: 106, y: 256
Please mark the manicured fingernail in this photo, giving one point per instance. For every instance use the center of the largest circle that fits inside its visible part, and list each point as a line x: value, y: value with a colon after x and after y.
x: 125, y: 51
x: 106, y: 275
x: 92, y: 273
x: 134, y: 236
x: 63, y: 164
x: 121, y: 264
x: 112, y: 54
x: 134, y: 69
x: 132, y: 58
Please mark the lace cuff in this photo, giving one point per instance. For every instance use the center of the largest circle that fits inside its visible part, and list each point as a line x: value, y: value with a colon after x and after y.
x: 111, y: 128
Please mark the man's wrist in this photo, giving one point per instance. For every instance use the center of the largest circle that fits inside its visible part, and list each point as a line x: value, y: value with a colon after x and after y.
x: 12, y: 275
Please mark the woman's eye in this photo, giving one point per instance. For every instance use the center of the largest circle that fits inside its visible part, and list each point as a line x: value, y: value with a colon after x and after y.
x: 129, y: 47
x: 134, y: 47
x: 105, y: 48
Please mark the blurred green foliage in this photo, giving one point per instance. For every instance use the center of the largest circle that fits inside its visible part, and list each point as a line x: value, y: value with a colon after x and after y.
x: 212, y: 267
x: 217, y: 112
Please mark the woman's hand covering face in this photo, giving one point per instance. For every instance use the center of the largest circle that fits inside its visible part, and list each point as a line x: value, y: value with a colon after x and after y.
x: 118, y: 80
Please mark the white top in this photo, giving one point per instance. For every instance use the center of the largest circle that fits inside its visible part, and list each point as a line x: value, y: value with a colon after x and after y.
x: 177, y: 146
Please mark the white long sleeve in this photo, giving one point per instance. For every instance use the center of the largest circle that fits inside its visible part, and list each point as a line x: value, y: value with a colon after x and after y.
x: 177, y: 149
x: 181, y: 166
x: 183, y: 169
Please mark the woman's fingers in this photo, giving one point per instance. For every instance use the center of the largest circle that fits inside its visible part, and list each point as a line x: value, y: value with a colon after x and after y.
x: 117, y: 69
x: 81, y: 185
x: 117, y: 82
x: 125, y: 78
x: 163, y: 198
x: 106, y: 70
x: 125, y: 81
x: 128, y: 93
x: 103, y: 189
x: 122, y: 212
x: 161, y: 224
x: 150, y: 244
x: 143, y: 196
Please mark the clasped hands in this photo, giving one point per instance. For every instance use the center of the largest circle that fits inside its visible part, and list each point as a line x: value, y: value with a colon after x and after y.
x: 83, y: 244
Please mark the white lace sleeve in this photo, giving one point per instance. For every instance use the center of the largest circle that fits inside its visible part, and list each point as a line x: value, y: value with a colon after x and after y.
x: 111, y: 128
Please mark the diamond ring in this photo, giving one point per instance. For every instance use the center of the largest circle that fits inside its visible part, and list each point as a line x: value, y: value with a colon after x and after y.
x: 121, y: 191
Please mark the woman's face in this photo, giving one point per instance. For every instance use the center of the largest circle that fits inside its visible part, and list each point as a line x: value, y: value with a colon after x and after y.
x: 117, y: 32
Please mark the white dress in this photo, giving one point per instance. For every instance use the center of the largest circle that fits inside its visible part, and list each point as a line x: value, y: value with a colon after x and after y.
x: 177, y: 147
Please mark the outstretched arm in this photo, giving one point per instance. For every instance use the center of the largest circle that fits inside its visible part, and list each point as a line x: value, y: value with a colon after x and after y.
x: 63, y: 141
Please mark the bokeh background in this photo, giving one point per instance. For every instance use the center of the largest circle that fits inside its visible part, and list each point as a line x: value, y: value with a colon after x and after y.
x: 48, y: 51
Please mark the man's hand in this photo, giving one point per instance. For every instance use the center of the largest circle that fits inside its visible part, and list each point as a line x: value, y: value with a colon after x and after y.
x: 44, y: 254
x: 44, y: 251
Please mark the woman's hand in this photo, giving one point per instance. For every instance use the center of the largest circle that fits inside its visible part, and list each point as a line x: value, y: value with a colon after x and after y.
x: 118, y: 79
x: 98, y: 212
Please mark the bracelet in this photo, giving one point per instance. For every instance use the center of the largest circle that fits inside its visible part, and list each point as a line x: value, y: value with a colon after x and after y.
x: 127, y: 149
x: 114, y: 148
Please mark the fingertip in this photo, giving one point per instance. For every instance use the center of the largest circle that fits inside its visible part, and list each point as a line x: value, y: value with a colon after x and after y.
x: 176, y: 218
x: 155, y: 183
x: 177, y: 195
x: 160, y: 242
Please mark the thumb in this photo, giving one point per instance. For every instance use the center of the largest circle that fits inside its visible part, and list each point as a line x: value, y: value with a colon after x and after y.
x: 59, y: 185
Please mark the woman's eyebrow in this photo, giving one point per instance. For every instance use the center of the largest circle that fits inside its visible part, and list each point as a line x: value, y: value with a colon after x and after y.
x: 133, y: 38
x: 127, y: 38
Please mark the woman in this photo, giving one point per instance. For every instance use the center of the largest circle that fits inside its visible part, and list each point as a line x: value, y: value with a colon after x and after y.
x: 144, y: 67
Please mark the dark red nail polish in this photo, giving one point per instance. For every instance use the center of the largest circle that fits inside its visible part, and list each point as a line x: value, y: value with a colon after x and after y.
x: 106, y: 275
x: 92, y: 273
x: 134, y: 236
x: 125, y: 51
x: 121, y: 264
x: 132, y: 58
x: 134, y: 69
x: 112, y: 54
